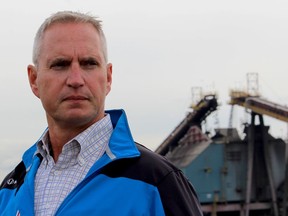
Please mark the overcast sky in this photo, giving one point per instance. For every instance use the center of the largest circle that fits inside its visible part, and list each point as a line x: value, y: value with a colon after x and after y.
x: 160, y: 49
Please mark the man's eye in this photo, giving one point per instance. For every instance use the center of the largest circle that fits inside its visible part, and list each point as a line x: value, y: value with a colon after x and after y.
x: 59, y: 65
x: 90, y: 63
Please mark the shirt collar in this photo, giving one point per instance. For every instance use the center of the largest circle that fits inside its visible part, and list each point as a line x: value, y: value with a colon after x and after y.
x: 91, y: 142
x: 43, y: 146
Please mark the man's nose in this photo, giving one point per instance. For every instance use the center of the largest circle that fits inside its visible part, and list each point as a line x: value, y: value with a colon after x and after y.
x: 75, y: 76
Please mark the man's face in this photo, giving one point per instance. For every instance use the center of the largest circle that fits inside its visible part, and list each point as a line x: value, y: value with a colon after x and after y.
x: 72, y: 78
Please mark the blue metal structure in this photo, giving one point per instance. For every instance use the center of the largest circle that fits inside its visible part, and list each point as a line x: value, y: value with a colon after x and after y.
x: 233, y: 176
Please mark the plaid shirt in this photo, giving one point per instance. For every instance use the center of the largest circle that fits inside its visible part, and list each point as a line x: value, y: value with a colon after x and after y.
x: 54, y: 182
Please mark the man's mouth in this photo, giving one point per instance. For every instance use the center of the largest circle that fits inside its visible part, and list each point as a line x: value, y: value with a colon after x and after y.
x: 75, y: 98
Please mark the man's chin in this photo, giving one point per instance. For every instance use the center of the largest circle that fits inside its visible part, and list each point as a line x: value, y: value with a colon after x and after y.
x: 79, y: 120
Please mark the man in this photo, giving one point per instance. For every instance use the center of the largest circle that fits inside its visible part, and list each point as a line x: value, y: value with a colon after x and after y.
x: 86, y: 162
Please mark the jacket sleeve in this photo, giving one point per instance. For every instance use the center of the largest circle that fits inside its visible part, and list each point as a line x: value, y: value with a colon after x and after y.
x: 178, y: 196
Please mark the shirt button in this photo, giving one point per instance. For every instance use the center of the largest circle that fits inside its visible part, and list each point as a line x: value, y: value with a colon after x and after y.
x: 81, y: 161
x: 57, y: 172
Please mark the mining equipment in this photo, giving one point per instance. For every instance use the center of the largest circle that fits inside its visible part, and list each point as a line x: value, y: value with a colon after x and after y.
x: 233, y: 175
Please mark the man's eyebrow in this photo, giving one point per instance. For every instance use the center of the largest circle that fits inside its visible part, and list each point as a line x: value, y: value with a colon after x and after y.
x: 87, y: 58
x: 58, y: 60
x: 91, y: 59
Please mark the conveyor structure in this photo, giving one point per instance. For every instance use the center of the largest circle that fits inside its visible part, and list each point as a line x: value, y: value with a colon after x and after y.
x: 259, y: 105
x: 200, y: 111
x: 233, y: 176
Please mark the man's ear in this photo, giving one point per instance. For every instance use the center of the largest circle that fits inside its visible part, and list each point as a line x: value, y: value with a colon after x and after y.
x: 109, y: 78
x: 32, y: 76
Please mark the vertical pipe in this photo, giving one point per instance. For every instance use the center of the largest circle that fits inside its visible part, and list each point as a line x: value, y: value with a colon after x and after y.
x: 268, y: 167
x: 250, y: 150
x: 285, y: 183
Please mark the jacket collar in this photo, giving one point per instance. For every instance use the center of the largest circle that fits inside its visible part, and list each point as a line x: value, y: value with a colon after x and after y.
x: 121, y: 144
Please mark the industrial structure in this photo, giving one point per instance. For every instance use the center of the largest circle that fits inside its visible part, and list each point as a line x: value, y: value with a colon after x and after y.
x: 233, y: 175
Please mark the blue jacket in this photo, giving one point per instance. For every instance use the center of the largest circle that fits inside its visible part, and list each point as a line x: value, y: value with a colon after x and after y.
x: 127, y: 180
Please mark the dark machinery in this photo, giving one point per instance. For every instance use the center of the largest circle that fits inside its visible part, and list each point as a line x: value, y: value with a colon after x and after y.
x: 200, y: 111
x: 233, y: 176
